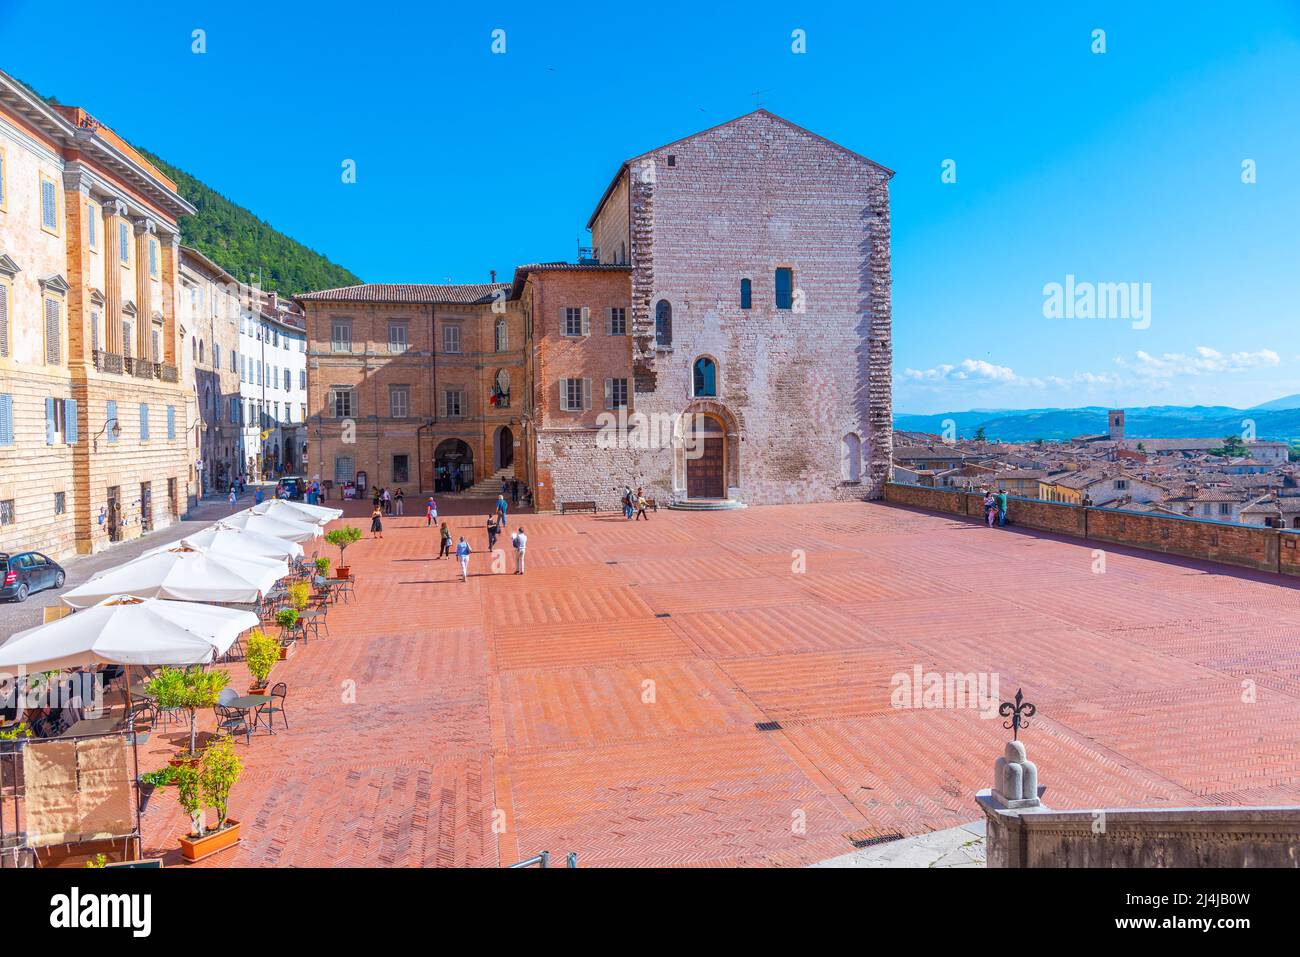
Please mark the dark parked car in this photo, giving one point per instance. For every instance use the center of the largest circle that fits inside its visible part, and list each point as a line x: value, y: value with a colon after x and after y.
x: 25, y: 572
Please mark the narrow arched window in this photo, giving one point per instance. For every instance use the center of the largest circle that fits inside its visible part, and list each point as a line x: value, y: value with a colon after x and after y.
x: 746, y: 294
x: 851, y: 458
x: 663, y: 323
x: 502, y: 337
x: 706, y: 377
x: 784, y: 287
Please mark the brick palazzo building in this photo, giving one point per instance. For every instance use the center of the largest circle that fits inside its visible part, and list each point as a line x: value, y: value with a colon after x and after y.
x: 728, y: 338
x: 92, y: 404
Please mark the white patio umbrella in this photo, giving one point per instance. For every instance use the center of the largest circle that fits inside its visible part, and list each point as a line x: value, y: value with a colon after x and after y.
x: 297, y: 511
x: 126, y: 630
x: 183, y: 573
x: 238, y: 541
x: 290, y: 531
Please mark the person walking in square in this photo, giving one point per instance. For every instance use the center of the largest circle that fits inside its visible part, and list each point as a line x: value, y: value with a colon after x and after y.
x: 462, y: 553
x: 493, y: 529
x: 641, y: 506
x: 514, y: 491
x: 376, y: 522
x: 444, y: 550
x: 430, y: 512
x: 232, y: 498
x: 501, y: 509
x: 990, y: 507
x: 520, y: 541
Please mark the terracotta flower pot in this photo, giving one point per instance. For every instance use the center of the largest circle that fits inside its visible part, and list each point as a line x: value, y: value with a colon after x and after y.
x: 257, y: 689
x: 343, y: 571
x: 185, y: 760
x: 197, y: 848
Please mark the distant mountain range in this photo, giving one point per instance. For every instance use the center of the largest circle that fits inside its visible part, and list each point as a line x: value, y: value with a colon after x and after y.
x: 1276, y: 420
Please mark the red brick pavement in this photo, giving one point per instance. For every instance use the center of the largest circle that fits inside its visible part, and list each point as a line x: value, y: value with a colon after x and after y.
x: 606, y: 702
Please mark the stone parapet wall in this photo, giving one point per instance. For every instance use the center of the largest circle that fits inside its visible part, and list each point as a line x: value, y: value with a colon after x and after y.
x: 1246, y: 546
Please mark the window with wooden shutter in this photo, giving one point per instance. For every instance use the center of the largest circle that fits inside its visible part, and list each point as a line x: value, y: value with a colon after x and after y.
x: 92, y: 237
x: 123, y: 242
x: 155, y: 341
x: 70, y: 421
x: 49, y: 204
x: 171, y: 419
x: 49, y: 421
x: 94, y: 330
x: 586, y: 321
x: 144, y: 422
x: 616, y: 321
x: 4, y: 319
x: 126, y: 338
x: 6, y: 420
x: 53, y: 334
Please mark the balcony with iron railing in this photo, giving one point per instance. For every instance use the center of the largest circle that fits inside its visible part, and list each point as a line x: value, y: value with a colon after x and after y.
x: 108, y: 362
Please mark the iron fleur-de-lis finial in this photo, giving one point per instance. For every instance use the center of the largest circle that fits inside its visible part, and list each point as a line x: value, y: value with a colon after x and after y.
x: 1019, y: 713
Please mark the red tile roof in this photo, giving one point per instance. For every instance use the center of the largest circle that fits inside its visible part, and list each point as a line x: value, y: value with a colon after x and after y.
x: 409, y: 293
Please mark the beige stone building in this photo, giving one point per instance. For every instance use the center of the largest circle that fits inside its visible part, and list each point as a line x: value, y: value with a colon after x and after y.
x: 92, y: 404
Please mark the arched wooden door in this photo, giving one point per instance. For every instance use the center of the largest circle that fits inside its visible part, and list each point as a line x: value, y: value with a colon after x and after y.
x: 706, y: 458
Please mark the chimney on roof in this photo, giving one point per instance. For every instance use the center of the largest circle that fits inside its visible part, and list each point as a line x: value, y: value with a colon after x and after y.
x: 273, y: 301
x: 493, y: 273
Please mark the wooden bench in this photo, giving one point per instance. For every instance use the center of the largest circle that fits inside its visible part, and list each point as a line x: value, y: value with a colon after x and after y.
x: 566, y: 507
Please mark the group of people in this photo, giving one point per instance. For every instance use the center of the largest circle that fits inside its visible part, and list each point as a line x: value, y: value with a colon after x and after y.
x: 995, y: 507
x: 388, y: 501
x: 635, y: 503
x: 496, y: 523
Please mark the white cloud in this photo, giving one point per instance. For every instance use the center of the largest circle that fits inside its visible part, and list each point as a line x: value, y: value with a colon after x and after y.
x: 1202, y: 361
x: 968, y: 370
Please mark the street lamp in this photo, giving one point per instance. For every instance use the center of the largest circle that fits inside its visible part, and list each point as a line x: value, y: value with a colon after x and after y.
x: 112, y: 428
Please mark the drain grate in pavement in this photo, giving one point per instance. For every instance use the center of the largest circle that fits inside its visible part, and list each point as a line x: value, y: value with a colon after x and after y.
x: 664, y: 614
x: 873, y: 841
x: 768, y: 725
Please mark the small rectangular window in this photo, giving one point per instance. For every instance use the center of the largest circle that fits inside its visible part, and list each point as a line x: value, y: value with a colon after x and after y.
x: 60, y: 502
x: 92, y: 231
x: 7, y: 512
x: 453, y: 403
x: 401, y: 469
x: 399, y: 401
x: 49, y: 204
x: 616, y: 393
x: 144, y: 422
x: 451, y: 338
x: 153, y: 258
x: 344, y: 471
x: 342, y: 402
x: 397, y: 336
x: 340, y: 335
x: 124, y: 242
x: 746, y: 294
x: 6, y: 419
x: 617, y: 324
x: 784, y: 287
x: 575, y: 321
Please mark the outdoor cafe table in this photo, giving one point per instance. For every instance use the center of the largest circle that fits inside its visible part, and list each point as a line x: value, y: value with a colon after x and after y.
x: 88, y: 727
x: 254, y: 703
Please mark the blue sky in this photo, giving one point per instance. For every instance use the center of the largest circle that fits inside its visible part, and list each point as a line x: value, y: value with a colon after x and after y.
x: 1117, y: 167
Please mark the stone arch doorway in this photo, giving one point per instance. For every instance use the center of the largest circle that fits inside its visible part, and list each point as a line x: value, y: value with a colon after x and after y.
x: 503, y: 448
x: 453, y: 466
x: 706, y: 457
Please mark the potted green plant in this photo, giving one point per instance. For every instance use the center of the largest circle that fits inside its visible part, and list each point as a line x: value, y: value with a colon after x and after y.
x: 209, y: 787
x: 262, y: 654
x: 152, y: 780
x: 341, y: 538
x: 323, y: 566
x: 287, y: 619
x: 187, y: 690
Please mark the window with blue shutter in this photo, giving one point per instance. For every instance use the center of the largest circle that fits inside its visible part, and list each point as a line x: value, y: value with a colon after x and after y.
x: 746, y: 294
x: 70, y: 424
x: 784, y: 287
x: 171, y: 421
x: 49, y: 421
x: 110, y: 418
x: 6, y: 420
x: 144, y: 422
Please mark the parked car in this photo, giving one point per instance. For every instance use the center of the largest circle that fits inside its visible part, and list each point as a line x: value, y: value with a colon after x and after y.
x: 295, y: 485
x: 25, y: 572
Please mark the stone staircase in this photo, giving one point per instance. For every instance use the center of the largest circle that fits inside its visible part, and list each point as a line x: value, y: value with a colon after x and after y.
x: 704, y: 504
x: 488, y: 488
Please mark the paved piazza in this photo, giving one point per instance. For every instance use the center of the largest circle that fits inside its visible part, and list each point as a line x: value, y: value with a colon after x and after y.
x: 606, y: 702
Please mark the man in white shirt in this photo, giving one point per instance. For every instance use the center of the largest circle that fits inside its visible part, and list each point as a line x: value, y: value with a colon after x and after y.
x: 520, y: 541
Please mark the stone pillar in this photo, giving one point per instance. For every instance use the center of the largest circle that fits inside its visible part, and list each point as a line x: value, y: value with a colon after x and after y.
x: 170, y: 264
x: 114, y: 211
x: 76, y: 185
x: 145, y: 230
